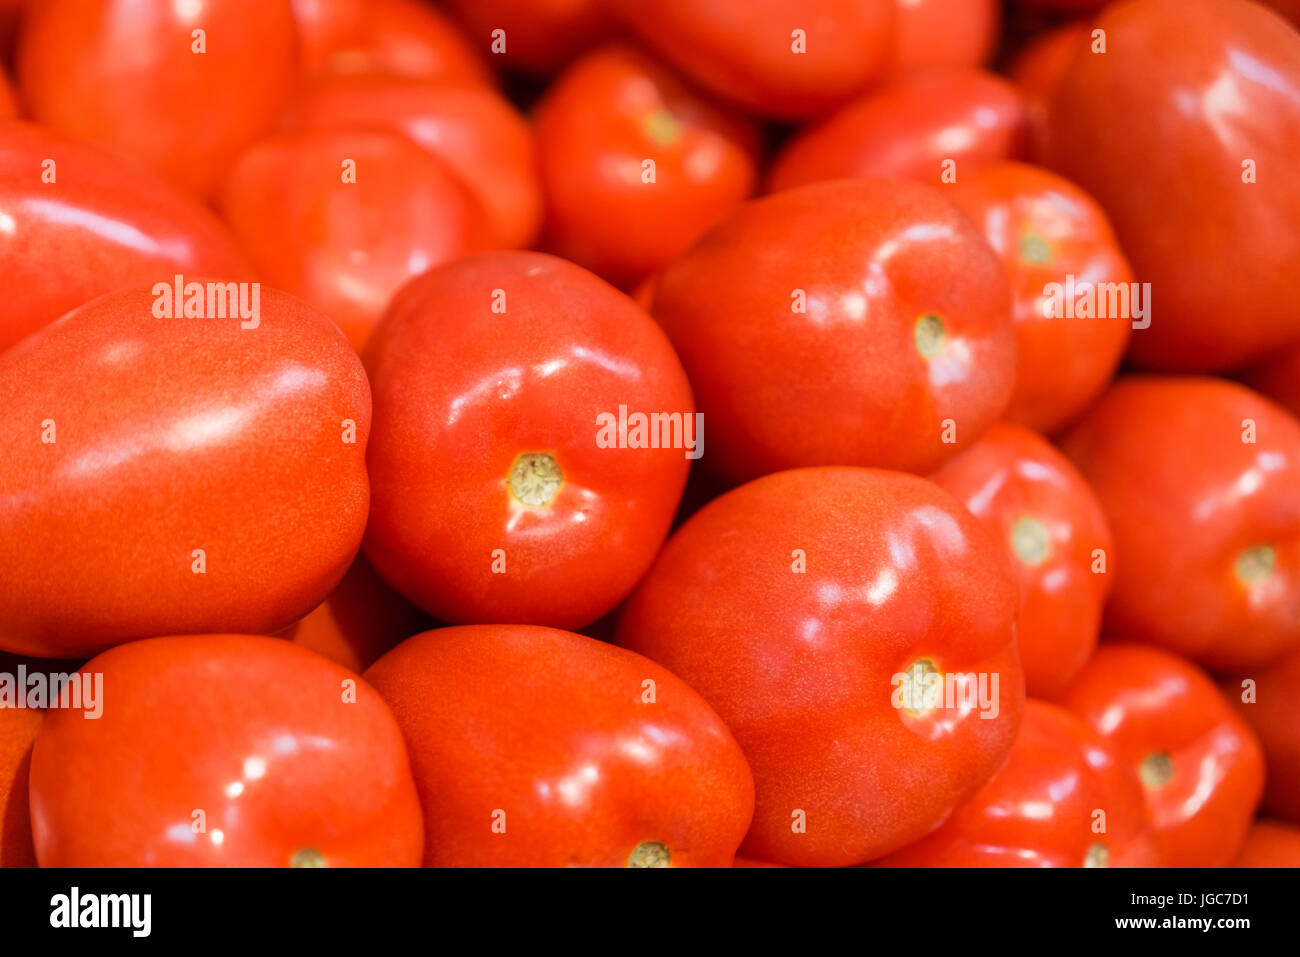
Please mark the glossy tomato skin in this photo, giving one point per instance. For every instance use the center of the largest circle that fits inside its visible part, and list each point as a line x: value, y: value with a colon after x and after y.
x: 1200, y: 766
x: 1269, y: 707
x: 176, y: 475
x: 848, y: 323
x: 102, y: 223
x: 1046, y: 230
x: 1219, y: 264
x: 1269, y: 844
x: 1200, y: 480
x: 597, y: 126
x: 910, y: 127
x: 18, y: 728
x: 793, y: 604
x: 186, y: 113
x: 943, y: 33
x: 495, y: 495
x: 1040, y: 66
x: 1278, y: 377
x: 534, y: 747
x: 540, y: 35
x: 292, y: 760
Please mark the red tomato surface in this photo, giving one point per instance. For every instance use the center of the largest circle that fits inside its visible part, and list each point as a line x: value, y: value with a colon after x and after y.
x: 911, y: 127
x: 18, y: 727
x: 943, y: 33
x: 1278, y: 377
x: 1206, y: 523
x: 540, y: 35
x: 805, y: 665
x: 343, y: 217
x: 1269, y: 844
x: 598, y: 125
x: 1157, y: 130
x: 1040, y: 66
x: 751, y: 862
x: 494, y: 499
x: 292, y: 760
x: 1065, y: 6
x: 1200, y: 766
x: 1288, y: 8
x: 89, y: 224
x: 125, y: 75
x: 1274, y: 713
x: 132, y: 441
x: 533, y: 747
x: 1047, y: 230
x: 846, y: 323
x: 8, y: 102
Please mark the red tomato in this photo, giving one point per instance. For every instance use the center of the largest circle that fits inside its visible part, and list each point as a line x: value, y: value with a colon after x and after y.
x: 1269, y: 844
x: 224, y: 750
x: 533, y: 747
x: 79, y: 223
x: 1200, y: 479
x: 1272, y: 712
x: 911, y: 127
x: 1167, y: 136
x: 1278, y: 377
x: 1065, y: 6
x: 539, y: 35
x: 1062, y: 799
x: 343, y: 217
x: 1040, y: 66
x: 750, y: 862
x: 1288, y: 8
x: 176, y: 475
x: 141, y: 79
x: 781, y: 58
x: 598, y: 126
x: 8, y: 104
x: 1051, y: 234
x: 847, y: 323
x: 497, y: 496
x: 1034, y: 502
x: 1200, y: 765
x: 943, y: 33
x: 18, y: 727
x: 803, y: 607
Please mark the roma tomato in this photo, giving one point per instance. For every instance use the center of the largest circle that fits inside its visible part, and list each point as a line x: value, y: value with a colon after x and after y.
x: 943, y: 33
x: 1200, y: 480
x: 846, y: 323
x: 1220, y: 263
x: 911, y: 127
x: 182, y: 86
x: 1034, y: 502
x: 344, y: 217
x: 1062, y: 799
x: 18, y: 727
x: 1278, y: 377
x: 511, y: 478
x: 855, y: 629
x: 1269, y: 706
x: 1052, y: 238
x: 539, y: 35
x: 1269, y: 844
x: 533, y: 747
x: 1039, y: 67
x: 599, y: 127
x: 176, y: 475
x: 79, y: 222
x: 229, y: 751
x: 1200, y: 765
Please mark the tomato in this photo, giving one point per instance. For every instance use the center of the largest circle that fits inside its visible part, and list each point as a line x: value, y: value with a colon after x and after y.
x: 1272, y: 712
x: 1278, y: 377
x: 79, y: 223
x: 343, y: 217
x: 911, y: 127
x: 1200, y: 479
x: 847, y: 323
x: 1288, y: 8
x: 1052, y: 237
x: 1062, y: 799
x: 1040, y: 66
x: 804, y: 607
x: 8, y: 103
x: 599, y: 125
x: 471, y: 128
x: 176, y: 475
x: 228, y: 750
x: 1200, y: 765
x: 539, y: 35
x: 1269, y: 844
x: 750, y: 862
x: 533, y: 747
x: 505, y: 488
x: 781, y: 58
x: 1034, y: 502
x: 1214, y: 116
x: 943, y: 33
x: 132, y: 77
x: 18, y: 727
x: 1065, y: 6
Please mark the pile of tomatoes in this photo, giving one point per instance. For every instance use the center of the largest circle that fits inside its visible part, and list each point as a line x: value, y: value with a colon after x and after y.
x: 627, y: 433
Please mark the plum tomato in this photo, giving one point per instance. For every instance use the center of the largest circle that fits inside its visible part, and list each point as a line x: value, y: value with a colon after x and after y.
x: 1269, y: 705
x: 943, y: 33
x: 1269, y: 844
x: 539, y: 36
x: 18, y: 727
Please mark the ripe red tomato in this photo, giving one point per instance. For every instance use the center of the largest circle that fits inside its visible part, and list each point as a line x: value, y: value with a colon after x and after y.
x: 847, y: 323
x: 1065, y: 6
x: 95, y: 222
x: 1278, y: 377
x: 1051, y: 234
x: 804, y: 607
x: 8, y: 103
x: 911, y: 127
x: 18, y: 727
x: 1062, y: 799
x: 1214, y: 116
x: 1200, y: 766
x: 344, y: 217
x: 1269, y: 844
x: 176, y: 475
x: 750, y: 862
x: 943, y: 33
x: 1200, y: 479
x: 599, y: 125
x: 1040, y: 66
x: 228, y: 750
x: 1288, y: 8
x: 142, y: 80
x: 539, y: 35
x: 496, y: 496
x: 1274, y: 716
x: 533, y: 747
